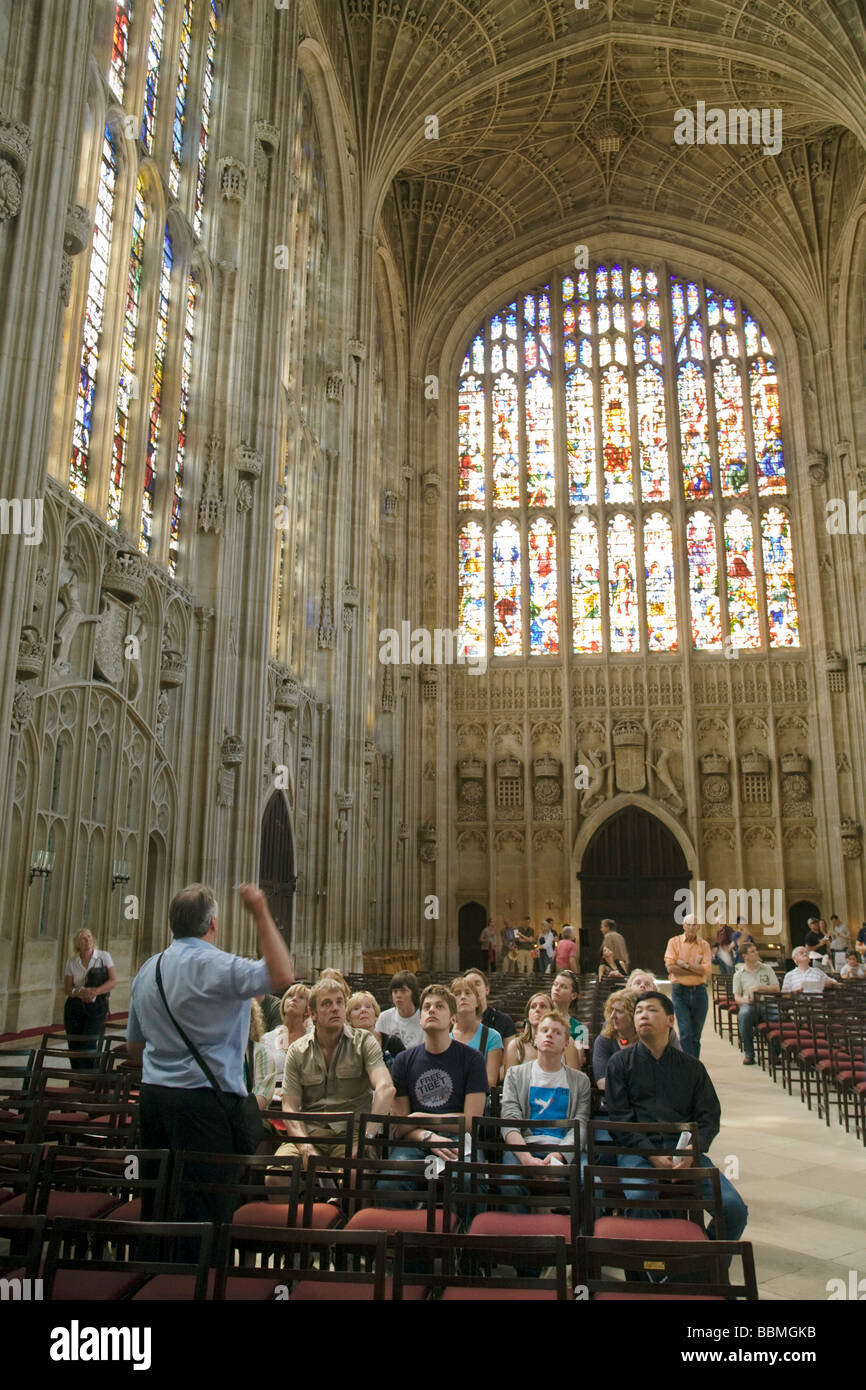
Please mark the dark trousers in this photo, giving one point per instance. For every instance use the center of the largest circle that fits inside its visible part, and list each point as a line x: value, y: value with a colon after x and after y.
x: 690, y: 1007
x: 85, y: 1021
x: 176, y: 1119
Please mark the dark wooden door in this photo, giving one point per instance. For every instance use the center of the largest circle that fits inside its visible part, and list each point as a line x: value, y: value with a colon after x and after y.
x: 631, y: 871
x: 471, y: 921
x: 277, y: 865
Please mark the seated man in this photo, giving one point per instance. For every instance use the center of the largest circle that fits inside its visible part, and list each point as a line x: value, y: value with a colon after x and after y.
x: 806, y: 978
x: 546, y: 1089
x: 438, y: 1078
x: 653, y: 1082
x: 751, y: 980
x: 333, y: 1068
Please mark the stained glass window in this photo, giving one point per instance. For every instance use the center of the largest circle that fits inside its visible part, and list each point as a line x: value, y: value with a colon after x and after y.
x: 471, y: 591
x: 94, y: 309
x: 180, y: 95
x: 661, y: 605
x: 543, y: 623
x: 616, y: 436
x: 694, y: 432
x: 585, y: 586
x: 204, y: 126
x: 506, y: 467
x: 540, y: 489
x: 127, y: 386
x: 507, y: 636
x: 151, y: 81
x: 766, y: 424
x: 709, y: 413
x: 779, y: 576
x: 472, y: 415
x: 652, y: 435
x: 156, y: 390
x: 730, y: 429
x: 742, y: 580
x: 703, y: 582
x: 622, y: 585
x: 120, y: 47
x: 183, y: 412
x: 580, y: 437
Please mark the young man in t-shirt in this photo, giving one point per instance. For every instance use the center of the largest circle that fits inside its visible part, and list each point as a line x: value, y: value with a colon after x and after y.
x: 438, y: 1078
x: 404, y: 1020
x: 546, y: 1089
x: 752, y: 979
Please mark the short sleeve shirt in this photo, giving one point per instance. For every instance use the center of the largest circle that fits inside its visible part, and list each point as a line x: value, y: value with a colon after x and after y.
x: 209, y: 993
x: 437, y: 1083
x: 565, y: 952
x: 78, y: 970
x: 549, y: 1099
x: 746, y: 980
x: 492, y: 1041
x: 811, y: 981
x: 344, y: 1085
x: 408, y: 1030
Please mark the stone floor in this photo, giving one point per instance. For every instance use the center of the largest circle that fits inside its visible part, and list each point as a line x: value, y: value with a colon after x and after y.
x: 805, y: 1184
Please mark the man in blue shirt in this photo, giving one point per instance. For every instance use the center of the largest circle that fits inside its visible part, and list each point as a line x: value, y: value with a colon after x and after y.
x: 209, y: 993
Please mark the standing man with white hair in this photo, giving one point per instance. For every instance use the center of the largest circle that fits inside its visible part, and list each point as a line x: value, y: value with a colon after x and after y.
x: 689, y: 963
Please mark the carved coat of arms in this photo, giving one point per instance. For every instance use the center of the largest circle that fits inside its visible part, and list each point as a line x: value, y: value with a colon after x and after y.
x: 629, y: 743
x: 109, y: 639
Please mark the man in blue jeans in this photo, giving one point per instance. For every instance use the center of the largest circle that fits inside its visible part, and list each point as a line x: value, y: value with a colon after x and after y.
x: 689, y: 963
x: 652, y: 1082
x: 752, y: 980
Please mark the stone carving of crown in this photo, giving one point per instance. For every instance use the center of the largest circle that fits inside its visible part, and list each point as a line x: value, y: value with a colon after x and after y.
x: 755, y: 762
x: 470, y: 767
x: 172, y: 669
x: 794, y: 762
x: 125, y: 575
x: 508, y: 767
x: 31, y: 654
x: 628, y: 733
x: 714, y: 763
x: 231, y: 750
x: 546, y: 767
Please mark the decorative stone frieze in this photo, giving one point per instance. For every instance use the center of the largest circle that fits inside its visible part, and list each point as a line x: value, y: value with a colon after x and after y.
x: 428, y: 843
x: 837, y: 673
x: 335, y: 386
x: 852, y: 839
x: 232, y: 180
x: 212, y: 507
x: 429, y: 676
x: 14, y: 154
x: 471, y: 792
x: 248, y: 461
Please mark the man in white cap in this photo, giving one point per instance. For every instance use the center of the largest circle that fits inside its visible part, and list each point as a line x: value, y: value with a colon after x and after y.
x: 689, y: 963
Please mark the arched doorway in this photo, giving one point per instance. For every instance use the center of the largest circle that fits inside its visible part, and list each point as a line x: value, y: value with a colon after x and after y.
x: 277, y: 864
x: 798, y: 915
x: 631, y: 870
x: 471, y: 921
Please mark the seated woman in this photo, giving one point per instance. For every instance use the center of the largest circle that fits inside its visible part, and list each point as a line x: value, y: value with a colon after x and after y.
x: 86, y: 1007
x: 521, y: 1048
x: 294, y: 1011
x: 469, y: 1029
x: 618, y: 1032
x: 329, y: 973
x: 260, y: 1073
x: 362, y: 1011
x: 563, y: 993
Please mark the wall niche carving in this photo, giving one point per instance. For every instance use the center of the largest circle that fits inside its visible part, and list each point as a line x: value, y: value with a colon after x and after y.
x: 547, y: 788
x: 471, y: 790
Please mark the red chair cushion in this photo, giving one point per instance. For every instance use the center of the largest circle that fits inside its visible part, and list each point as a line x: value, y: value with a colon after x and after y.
x: 78, y: 1285
x: 506, y: 1223
x: 393, y: 1219
x: 323, y: 1215
x: 322, y: 1291
x: 493, y: 1294
x: 177, y: 1287
x: 647, y: 1228
x: 5, y: 1194
x: 126, y: 1211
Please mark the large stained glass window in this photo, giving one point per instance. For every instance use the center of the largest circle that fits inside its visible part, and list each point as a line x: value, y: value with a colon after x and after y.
x: 180, y: 96
x: 471, y: 587
x: 180, y: 451
x: 151, y: 81
x: 156, y: 390
x: 616, y: 410
x: 94, y: 310
x: 127, y: 386
x: 120, y: 48
x: 543, y: 622
x: 204, y: 123
x: 507, y: 587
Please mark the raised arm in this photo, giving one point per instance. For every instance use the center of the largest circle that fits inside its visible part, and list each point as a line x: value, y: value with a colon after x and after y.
x: 271, y: 944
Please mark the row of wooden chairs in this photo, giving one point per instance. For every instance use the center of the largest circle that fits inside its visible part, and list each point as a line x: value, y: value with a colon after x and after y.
x: 115, y: 1260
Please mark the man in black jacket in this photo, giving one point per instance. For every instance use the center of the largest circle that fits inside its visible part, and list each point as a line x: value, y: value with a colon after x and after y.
x: 652, y: 1081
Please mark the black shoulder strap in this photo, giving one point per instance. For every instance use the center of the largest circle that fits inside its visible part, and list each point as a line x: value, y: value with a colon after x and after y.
x: 190, y: 1044
x: 485, y: 1034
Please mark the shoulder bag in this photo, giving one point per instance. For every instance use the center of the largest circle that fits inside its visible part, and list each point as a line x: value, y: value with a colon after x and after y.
x: 245, y: 1119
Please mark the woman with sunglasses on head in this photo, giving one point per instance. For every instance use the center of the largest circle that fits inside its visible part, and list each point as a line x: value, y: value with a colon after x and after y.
x: 521, y: 1047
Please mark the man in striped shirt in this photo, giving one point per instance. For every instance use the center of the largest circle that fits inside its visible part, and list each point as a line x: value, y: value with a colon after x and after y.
x: 806, y: 978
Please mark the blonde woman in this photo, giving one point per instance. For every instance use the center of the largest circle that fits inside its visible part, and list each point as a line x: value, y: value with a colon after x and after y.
x: 618, y: 1032
x: 469, y: 1029
x: 521, y: 1048
x: 362, y: 1011
x: 329, y: 973
x: 88, y: 979
x: 294, y: 1012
